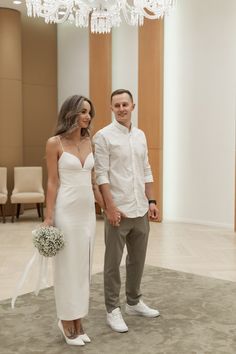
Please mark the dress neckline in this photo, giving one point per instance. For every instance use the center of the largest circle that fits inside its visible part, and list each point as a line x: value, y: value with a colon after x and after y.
x: 77, y: 157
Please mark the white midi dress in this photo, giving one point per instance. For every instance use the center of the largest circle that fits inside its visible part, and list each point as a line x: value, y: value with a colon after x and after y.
x: 75, y: 216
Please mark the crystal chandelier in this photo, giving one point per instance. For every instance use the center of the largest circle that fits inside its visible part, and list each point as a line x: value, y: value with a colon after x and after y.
x: 102, y: 15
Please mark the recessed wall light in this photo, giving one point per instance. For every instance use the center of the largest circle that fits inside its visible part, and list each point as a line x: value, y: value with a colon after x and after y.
x: 17, y: 2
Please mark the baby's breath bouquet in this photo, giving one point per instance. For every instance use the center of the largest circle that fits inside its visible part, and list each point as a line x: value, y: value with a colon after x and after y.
x: 48, y: 240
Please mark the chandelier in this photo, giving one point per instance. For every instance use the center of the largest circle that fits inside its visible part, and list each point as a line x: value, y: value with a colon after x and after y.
x: 101, y: 15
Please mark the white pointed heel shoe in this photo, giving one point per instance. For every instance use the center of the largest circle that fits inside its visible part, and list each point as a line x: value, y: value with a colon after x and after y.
x: 75, y: 341
x: 85, y: 338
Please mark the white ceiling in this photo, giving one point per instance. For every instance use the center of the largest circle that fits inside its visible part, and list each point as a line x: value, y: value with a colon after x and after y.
x: 9, y: 4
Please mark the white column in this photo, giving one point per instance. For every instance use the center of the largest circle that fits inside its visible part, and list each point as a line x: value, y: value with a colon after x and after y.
x: 199, y: 112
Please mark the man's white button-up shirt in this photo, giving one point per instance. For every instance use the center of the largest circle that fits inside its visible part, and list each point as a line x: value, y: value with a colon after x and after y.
x: 121, y: 159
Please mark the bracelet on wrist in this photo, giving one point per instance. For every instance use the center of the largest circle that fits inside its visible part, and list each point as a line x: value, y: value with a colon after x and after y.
x: 152, y: 201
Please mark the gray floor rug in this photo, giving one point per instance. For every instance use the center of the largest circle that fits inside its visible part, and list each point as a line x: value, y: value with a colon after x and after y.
x: 198, y: 316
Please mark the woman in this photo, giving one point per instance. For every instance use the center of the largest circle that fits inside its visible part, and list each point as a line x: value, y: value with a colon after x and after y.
x: 70, y: 207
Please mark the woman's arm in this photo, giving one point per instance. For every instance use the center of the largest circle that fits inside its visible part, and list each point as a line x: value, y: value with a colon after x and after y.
x: 96, y: 191
x: 52, y: 153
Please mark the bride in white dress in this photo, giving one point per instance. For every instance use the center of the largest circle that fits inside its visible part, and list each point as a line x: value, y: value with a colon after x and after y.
x: 71, y: 193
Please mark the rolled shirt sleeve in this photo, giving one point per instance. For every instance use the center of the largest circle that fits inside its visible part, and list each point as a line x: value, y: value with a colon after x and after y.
x: 101, y: 159
x: 148, y: 177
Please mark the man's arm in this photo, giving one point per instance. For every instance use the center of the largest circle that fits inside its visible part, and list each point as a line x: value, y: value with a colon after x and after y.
x: 113, y: 214
x: 102, y: 166
x: 153, y: 210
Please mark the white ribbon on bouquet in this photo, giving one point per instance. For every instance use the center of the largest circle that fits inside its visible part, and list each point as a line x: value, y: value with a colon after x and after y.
x: 41, y: 278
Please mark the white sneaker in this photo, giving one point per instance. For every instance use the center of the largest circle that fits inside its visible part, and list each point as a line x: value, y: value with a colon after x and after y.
x: 116, y: 322
x: 141, y: 309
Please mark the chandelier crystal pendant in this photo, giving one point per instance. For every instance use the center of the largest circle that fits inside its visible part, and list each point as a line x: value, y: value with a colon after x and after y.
x: 101, y: 15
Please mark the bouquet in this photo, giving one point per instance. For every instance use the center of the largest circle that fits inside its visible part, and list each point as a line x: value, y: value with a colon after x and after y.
x: 48, y: 240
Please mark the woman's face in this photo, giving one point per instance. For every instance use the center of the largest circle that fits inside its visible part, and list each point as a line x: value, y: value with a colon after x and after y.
x: 84, y: 117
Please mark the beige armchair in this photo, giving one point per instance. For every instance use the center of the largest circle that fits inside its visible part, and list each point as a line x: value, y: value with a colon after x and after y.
x: 28, y: 189
x: 3, y: 191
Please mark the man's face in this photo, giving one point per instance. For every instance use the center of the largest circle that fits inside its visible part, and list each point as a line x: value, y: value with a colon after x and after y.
x: 122, y: 107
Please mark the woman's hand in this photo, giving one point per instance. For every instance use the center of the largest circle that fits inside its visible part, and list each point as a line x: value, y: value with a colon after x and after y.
x: 114, y: 216
x: 48, y: 222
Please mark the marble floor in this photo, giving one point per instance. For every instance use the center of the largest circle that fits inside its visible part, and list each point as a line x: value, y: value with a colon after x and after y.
x: 190, y: 248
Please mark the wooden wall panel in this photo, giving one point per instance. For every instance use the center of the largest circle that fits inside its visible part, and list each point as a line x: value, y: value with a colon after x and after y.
x: 100, y: 78
x: 150, y: 97
x: 39, y: 76
x: 28, y: 90
x: 11, y: 138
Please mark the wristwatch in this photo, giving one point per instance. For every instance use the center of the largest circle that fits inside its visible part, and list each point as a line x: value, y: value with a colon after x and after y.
x: 152, y: 201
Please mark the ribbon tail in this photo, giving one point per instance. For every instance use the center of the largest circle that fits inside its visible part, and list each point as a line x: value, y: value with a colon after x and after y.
x: 22, y: 279
x: 38, y: 284
x: 45, y: 272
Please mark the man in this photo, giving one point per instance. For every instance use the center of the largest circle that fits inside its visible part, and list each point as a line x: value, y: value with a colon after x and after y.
x: 125, y: 179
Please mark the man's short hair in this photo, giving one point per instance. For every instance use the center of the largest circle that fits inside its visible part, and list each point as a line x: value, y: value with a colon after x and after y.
x: 120, y: 91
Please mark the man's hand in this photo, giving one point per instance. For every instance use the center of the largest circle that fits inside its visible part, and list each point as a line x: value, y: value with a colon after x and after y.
x: 153, y: 212
x: 114, y: 216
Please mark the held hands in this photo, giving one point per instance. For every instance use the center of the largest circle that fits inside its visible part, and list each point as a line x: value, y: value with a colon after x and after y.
x: 153, y: 212
x: 114, y: 216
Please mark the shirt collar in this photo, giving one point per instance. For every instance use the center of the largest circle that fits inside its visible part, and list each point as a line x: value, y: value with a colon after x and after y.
x: 122, y: 128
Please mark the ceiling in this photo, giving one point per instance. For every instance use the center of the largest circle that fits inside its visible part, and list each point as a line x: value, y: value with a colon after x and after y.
x: 9, y: 4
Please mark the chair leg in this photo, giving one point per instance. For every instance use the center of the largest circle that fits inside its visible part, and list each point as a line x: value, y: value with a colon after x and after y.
x: 41, y: 207
x: 18, y: 211
x: 38, y: 209
x: 13, y: 211
x: 3, y: 213
x: 1, y: 207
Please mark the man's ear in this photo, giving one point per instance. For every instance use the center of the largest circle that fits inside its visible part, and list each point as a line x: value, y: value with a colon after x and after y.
x: 133, y: 106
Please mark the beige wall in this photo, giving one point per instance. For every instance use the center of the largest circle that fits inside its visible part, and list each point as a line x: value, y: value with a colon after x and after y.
x: 28, y: 90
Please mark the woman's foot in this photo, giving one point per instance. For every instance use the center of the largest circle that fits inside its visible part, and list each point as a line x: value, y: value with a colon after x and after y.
x: 85, y: 338
x: 80, y: 331
x: 69, y: 332
x: 69, y: 329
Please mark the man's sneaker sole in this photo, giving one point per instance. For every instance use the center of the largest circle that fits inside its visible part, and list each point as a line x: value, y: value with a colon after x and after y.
x: 131, y: 312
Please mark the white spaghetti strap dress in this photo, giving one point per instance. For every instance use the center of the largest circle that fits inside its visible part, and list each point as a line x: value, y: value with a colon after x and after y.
x: 75, y: 216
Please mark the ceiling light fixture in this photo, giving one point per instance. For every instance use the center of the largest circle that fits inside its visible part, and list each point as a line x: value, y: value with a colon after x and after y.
x: 101, y: 15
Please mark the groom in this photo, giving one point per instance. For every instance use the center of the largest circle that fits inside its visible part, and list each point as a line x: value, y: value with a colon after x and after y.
x: 125, y: 179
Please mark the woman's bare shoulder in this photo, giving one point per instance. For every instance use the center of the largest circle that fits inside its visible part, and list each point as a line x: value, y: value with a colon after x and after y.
x: 53, y: 140
x: 52, y: 143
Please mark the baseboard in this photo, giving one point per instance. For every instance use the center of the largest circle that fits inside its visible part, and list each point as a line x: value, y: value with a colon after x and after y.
x: 200, y: 222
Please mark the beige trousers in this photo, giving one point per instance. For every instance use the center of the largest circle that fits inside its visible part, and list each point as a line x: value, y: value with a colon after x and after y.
x: 132, y: 232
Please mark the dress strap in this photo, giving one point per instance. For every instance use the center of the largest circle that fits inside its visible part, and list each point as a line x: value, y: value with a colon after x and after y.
x: 59, y: 139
